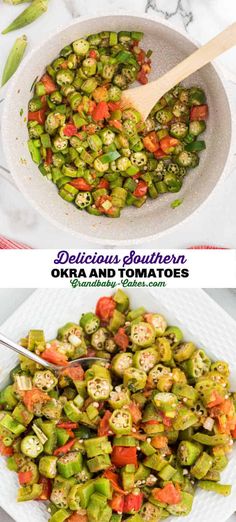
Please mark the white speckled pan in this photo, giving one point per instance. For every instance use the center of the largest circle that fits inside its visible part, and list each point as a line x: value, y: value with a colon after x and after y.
x: 155, y: 217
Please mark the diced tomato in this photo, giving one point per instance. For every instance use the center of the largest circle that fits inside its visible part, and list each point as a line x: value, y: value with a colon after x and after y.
x: 233, y: 432
x: 105, y: 308
x: 104, y: 183
x: 159, y: 154
x: 81, y: 184
x: 76, y: 517
x: 121, y: 339
x: 44, y: 101
x: 104, y: 428
x: 69, y: 425
x: 91, y: 106
x: 64, y: 65
x: 151, y: 142
x: 142, y: 77
x: 160, y: 442
x: 93, y: 54
x: 141, y: 189
x: 122, y: 455
x: 117, y: 502
x: 166, y: 421
x: 168, y: 144
x: 135, y: 412
x: 64, y: 449
x: 34, y: 396
x: 48, y: 160
x: 76, y: 373
x: 133, y: 503
x: 114, y: 480
x: 116, y: 123
x: 151, y: 422
x: 114, y: 106
x: 169, y: 494
x: 47, y: 488
x: 53, y: 356
x: 39, y: 116
x: 48, y: 83
x: 25, y: 477
x: 199, y: 113
x: 101, y: 111
x: 137, y: 176
x: 216, y: 399
x: 5, y: 451
x: 70, y: 129
x: 70, y: 433
x: 141, y: 56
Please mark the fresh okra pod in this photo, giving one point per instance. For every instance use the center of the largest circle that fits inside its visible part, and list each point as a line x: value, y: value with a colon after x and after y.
x: 29, y: 15
x: 14, y: 58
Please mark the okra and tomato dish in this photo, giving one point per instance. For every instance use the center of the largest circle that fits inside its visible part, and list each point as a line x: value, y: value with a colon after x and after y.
x: 128, y: 439
x: 100, y: 156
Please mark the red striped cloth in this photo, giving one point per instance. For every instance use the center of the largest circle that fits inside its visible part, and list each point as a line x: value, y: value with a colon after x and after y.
x: 6, y: 244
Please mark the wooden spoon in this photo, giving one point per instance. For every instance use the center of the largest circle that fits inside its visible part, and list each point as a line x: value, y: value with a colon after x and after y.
x: 144, y: 98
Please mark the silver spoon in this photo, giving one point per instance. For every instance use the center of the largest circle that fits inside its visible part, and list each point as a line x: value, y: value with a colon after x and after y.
x: 84, y: 362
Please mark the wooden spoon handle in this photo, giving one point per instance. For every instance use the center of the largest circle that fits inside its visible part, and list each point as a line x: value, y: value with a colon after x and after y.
x: 144, y: 98
x: 208, y: 52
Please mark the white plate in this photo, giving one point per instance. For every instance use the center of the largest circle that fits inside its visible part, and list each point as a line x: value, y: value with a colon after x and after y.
x: 202, y: 321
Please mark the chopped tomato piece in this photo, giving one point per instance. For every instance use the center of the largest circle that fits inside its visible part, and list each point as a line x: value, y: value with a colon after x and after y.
x: 168, y: 144
x: 142, y: 77
x: 137, y: 176
x: 81, y: 184
x: 114, y: 480
x: 91, y: 106
x: 159, y: 154
x: 64, y: 449
x: 199, y: 113
x: 68, y: 425
x: 216, y: 399
x: 121, y: 339
x: 169, y: 494
x: 141, y: 189
x: 76, y: 517
x: 104, y: 183
x: 24, y: 477
x: 104, y: 427
x: 105, y: 308
x: 116, y: 123
x: 5, y: 451
x: 117, y: 502
x: 160, y: 442
x: 48, y: 83
x: 48, y: 160
x: 101, y: 111
x: 47, y: 488
x: 93, y: 54
x: 34, y: 396
x: 135, y: 412
x: 122, y: 455
x: 53, y: 356
x: 39, y: 116
x: 233, y: 433
x: 76, y: 373
x: 114, y: 106
x: 133, y: 503
x: 141, y: 56
x: 70, y: 129
x: 151, y: 142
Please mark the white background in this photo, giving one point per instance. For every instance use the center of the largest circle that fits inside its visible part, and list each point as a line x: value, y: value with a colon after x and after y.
x: 201, y: 19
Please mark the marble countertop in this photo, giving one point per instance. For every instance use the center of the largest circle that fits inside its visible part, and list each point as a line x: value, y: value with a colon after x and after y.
x: 12, y: 298
x: 201, y: 19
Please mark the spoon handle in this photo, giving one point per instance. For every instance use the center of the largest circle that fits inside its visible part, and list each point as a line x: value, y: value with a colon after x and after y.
x: 204, y: 55
x: 4, y: 341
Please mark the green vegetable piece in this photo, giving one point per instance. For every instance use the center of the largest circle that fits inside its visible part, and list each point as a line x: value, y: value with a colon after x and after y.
x: 26, y: 493
x: 31, y: 446
x: 221, y: 489
x: 48, y: 467
x: 12, y: 425
x: 202, y: 466
x: 59, y: 516
x: 134, y: 379
x: 14, y: 58
x: 188, y: 452
x: 99, y: 463
x: 97, y: 446
x: 70, y: 464
x: 29, y: 15
x: 142, y: 334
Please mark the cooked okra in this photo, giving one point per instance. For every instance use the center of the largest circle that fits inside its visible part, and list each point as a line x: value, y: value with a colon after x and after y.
x: 100, y: 156
x: 135, y: 435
